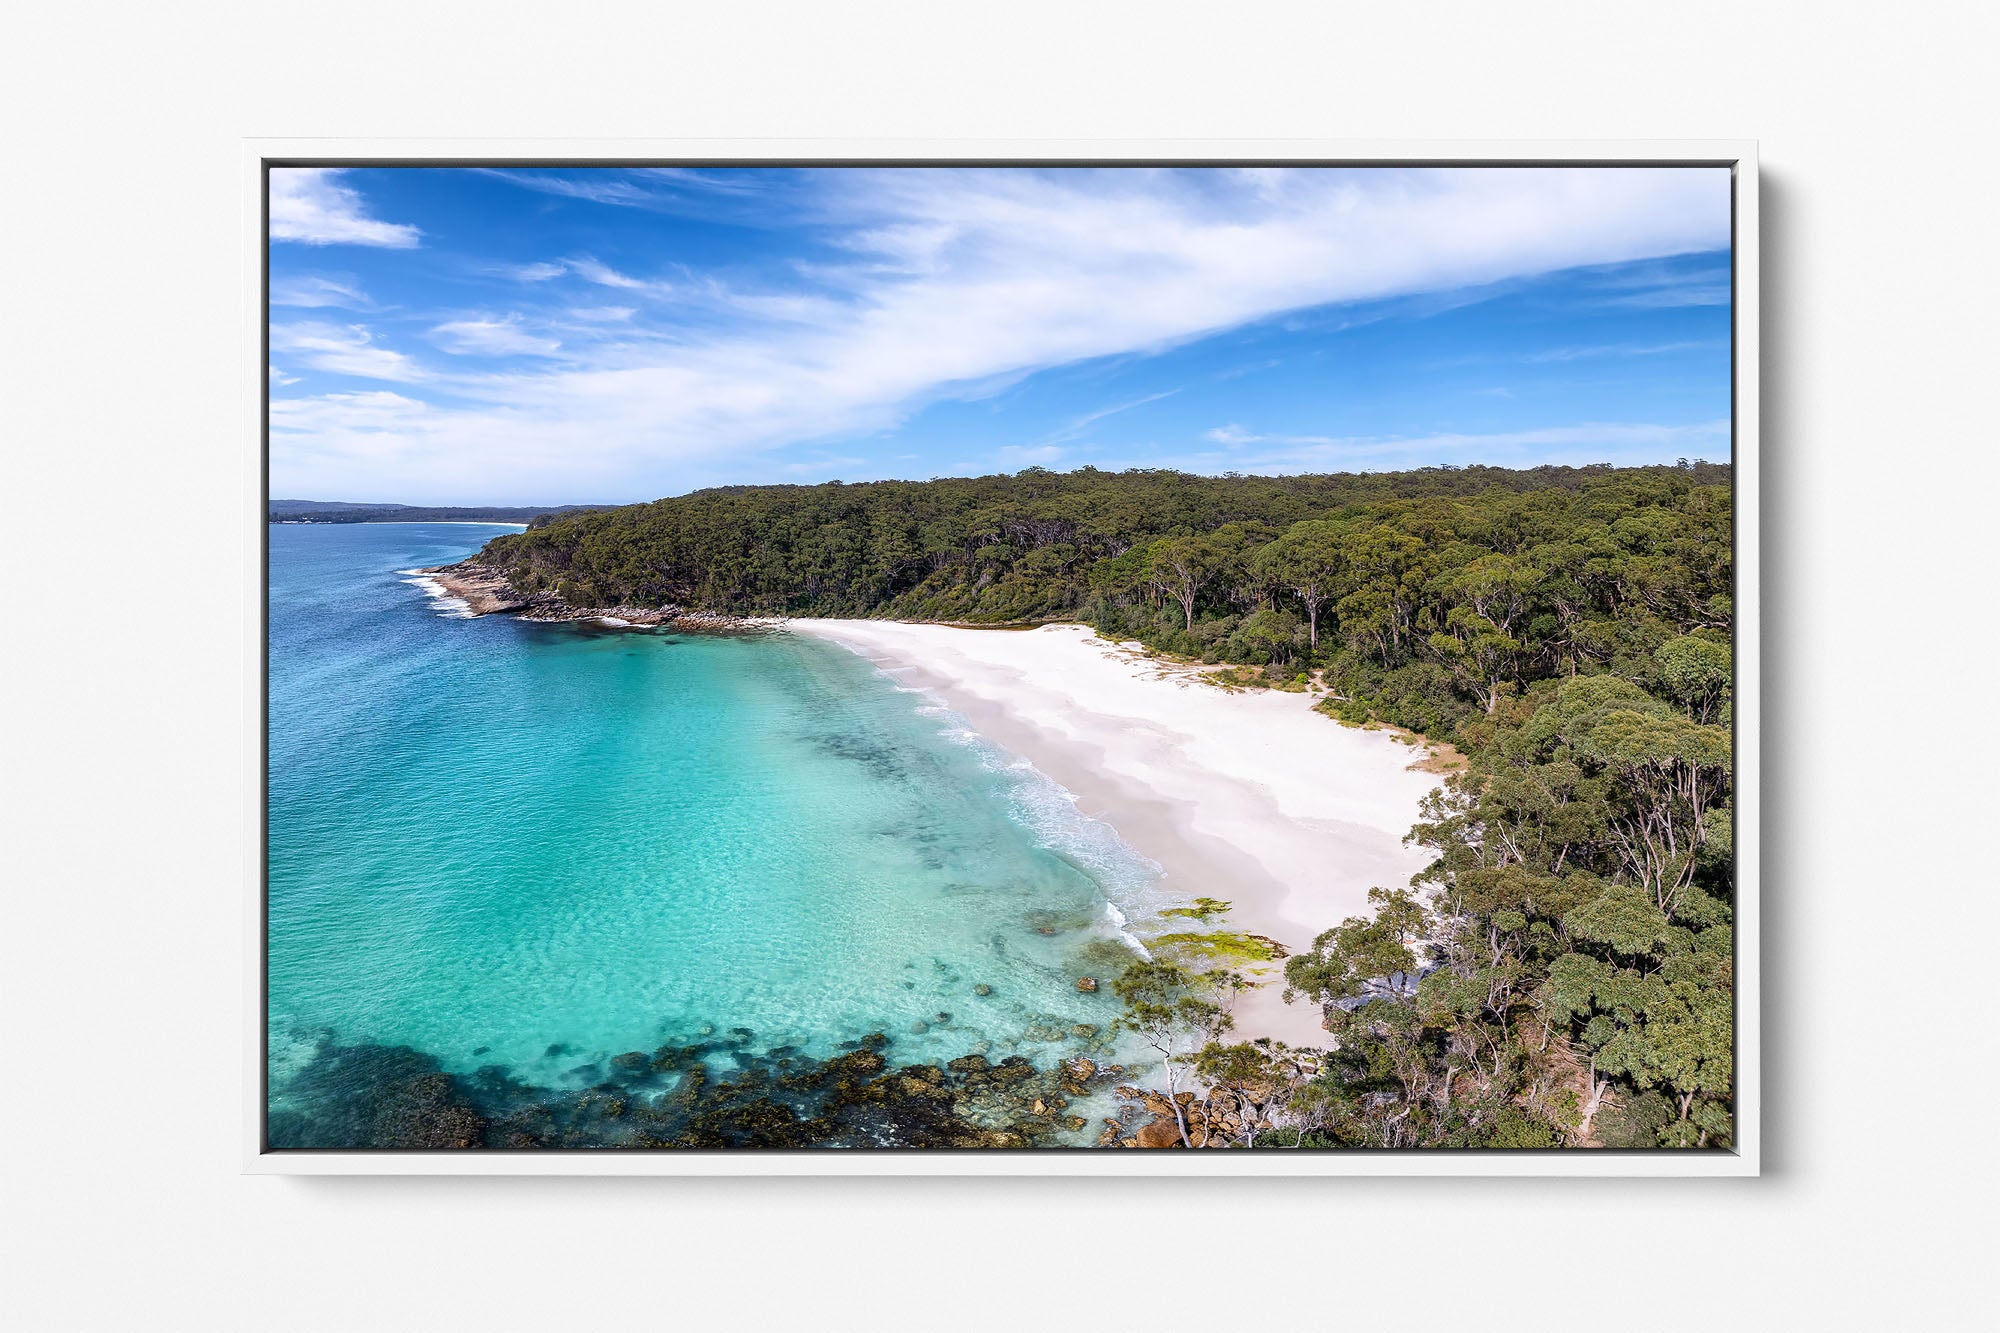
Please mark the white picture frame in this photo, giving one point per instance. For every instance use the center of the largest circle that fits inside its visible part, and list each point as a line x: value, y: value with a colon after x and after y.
x: 1739, y: 156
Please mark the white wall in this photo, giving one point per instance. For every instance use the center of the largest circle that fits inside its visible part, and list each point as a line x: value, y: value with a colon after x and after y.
x: 122, y: 797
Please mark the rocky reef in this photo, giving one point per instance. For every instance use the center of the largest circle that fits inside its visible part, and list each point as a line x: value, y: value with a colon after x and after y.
x: 694, y: 1095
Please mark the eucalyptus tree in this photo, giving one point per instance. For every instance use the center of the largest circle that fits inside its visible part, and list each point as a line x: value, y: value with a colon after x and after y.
x: 1260, y: 1077
x: 1307, y: 561
x: 1361, y: 957
x: 1177, y: 1012
x: 1667, y: 775
x: 1696, y: 673
x: 1381, y: 590
x: 1180, y: 567
x: 1487, y: 603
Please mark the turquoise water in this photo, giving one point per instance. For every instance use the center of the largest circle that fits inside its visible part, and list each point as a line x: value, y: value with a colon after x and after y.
x: 544, y: 845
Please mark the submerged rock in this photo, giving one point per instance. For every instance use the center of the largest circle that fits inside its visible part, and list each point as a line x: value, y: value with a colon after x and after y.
x: 1076, y: 1074
x: 701, y: 1094
x: 372, y: 1096
x: 1013, y: 1069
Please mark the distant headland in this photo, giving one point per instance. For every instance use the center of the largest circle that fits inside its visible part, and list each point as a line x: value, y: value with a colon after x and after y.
x: 349, y: 511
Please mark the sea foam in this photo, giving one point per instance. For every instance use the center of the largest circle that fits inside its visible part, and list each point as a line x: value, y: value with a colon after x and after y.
x: 448, y: 606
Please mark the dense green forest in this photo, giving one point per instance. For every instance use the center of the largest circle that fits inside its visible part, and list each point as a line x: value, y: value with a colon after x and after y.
x: 1568, y: 629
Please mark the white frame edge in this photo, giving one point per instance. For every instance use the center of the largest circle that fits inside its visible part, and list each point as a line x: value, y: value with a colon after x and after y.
x: 1745, y: 1160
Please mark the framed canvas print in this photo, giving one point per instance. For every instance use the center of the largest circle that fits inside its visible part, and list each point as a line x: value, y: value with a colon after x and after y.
x: 999, y: 658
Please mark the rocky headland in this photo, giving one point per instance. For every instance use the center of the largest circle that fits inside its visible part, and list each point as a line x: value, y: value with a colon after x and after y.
x: 486, y: 591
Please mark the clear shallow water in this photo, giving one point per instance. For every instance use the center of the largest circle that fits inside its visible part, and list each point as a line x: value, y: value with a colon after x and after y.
x: 544, y: 845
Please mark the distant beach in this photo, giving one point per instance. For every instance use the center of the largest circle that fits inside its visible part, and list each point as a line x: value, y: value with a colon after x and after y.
x: 1248, y: 796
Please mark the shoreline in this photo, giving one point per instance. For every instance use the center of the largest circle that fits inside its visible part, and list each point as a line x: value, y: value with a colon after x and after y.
x: 1250, y: 797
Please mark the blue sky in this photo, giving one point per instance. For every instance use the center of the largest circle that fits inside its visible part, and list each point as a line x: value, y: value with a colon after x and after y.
x: 539, y: 336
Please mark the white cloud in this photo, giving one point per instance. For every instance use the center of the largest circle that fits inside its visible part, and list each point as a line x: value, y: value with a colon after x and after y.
x: 314, y: 290
x: 344, y: 349
x: 590, y: 270
x: 338, y: 436
x: 601, y: 187
x: 962, y: 280
x: 663, y: 189
x: 309, y: 204
x: 491, y: 337
x: 366, y: 409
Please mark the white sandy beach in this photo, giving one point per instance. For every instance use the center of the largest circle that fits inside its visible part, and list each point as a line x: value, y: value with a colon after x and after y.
x: 1248, y: 796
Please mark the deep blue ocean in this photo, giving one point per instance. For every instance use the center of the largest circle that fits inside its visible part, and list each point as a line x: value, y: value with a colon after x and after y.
x: 538, y: 846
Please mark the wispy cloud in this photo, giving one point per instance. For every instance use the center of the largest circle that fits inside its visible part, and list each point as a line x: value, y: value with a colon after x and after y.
x: 661, y: 189
x: 957, y: 282
x: 1657, y: 287
x: 1078, y: 426
x: 1624, y: 349
x: 1711, y: 293
x: 536, y: 272
x: 736, y: 183
x: 318, y: 290
x: 691, y: 293
x: 590, y: 270
x: 311, y: 205
x: 600, y: 187
x: 344, y: 349
x: 484, y: 336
